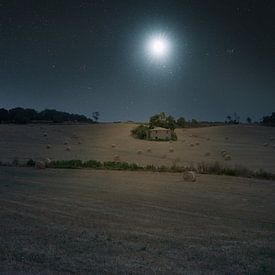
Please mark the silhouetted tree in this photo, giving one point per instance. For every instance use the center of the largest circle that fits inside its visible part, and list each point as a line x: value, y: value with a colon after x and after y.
x: 4, y: 116
x: 161, y: 120
x: 181, y: 122
x: 269, y: 120
x: 96, y: 116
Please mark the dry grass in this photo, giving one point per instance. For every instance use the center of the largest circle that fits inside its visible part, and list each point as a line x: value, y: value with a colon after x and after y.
x: 119, y: 222
x: 28, y: 140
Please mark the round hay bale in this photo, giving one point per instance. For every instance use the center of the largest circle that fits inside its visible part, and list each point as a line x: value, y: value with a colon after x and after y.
x: 208, y: 139
x: 40, y: 165
x: 227, y: 157
x: 223, y: 153
x: 117, y: 158
x: 66, y: 143
x: 183, y: 141
x: 170, y: 141
x: 171, y: 150
x: 47, y: 161
x: 177, y: 160
x: 113, y: 146
x: 189, y: 176
x: 79, y: 142
x: 163, y: 156
x: 48, y: 146
x: 139, y: 152
x: 197, y: 143
x: 149, y: 150
x: 68, y: 148
x: 191, y: 145
x: 207, y: 154
x: 265, y: 144
x: 226, y: 138
x: 45, y: 134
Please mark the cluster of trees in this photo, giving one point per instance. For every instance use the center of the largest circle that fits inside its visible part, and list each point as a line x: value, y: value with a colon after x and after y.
x: 164, y: 121
x: 167, y: 121
x: 269, y: 120
x: 233, y: 119
x: 22, y: 116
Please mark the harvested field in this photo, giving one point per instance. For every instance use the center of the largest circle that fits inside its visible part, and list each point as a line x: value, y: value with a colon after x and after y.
x: 134, y: 222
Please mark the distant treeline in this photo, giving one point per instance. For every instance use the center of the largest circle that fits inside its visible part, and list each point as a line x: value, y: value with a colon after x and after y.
x: 269, y: 120
x: 22, y: 116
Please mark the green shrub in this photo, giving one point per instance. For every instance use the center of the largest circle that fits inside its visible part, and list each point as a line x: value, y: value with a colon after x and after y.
x: 92, y: 164
x: 174, y: 136
x: 70, y: 164
x: 140, y: 131
x: 30, y: 163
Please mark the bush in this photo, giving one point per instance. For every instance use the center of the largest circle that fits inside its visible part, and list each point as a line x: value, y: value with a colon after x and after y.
x: 92, y: 164
x: 70, y: 164
x: 174, y: 136
x: 140, y: 131
x: 30, y: 163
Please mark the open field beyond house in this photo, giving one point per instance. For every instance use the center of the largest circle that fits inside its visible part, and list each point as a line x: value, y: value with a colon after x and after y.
x: 249, y: 146
x: 134, y: 222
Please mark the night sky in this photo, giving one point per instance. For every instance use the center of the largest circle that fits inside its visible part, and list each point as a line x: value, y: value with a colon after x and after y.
x: 84, y: 56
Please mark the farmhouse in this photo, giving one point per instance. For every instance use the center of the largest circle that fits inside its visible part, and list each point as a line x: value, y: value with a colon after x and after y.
x: 159, y: 133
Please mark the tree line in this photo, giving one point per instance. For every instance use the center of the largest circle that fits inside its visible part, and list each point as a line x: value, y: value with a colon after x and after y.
x: 26, y: 115
x: 169, y: 122
x: 269, y: 120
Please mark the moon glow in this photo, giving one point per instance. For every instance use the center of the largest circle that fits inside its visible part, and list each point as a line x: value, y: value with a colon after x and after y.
x: 158, y: 48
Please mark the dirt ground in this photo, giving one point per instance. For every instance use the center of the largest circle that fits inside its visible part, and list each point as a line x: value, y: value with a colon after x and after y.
x: 61, y: 221
x: 249, y: 146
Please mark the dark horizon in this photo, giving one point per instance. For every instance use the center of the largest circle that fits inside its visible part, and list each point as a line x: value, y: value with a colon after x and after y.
x: 86, y: 56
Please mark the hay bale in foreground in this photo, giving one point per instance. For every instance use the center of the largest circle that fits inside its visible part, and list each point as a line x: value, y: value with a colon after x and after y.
x: 189, y: 176
x: 40, y: 165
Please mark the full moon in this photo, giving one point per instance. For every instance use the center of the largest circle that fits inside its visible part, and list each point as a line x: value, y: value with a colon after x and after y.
x: 158, y: 48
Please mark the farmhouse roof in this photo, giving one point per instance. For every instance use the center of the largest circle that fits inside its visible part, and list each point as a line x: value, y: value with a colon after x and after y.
x: 159, y: 129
